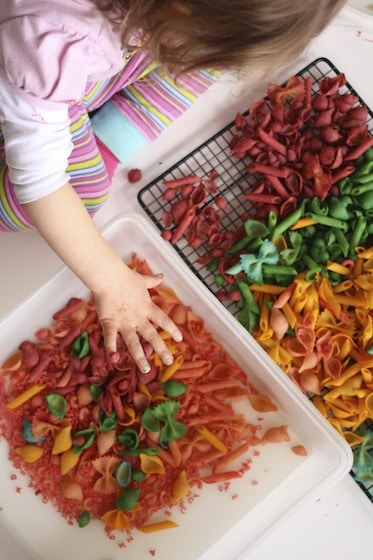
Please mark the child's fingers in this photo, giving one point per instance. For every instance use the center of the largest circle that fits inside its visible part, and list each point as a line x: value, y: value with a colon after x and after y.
x: 131, y: 340
x: 159, y: 346
x: 109, y: 330
x: 138, y: 316
x: 161, y: 319
x: 150, y: 334
x: 152, y: 280
x: 130, y: 336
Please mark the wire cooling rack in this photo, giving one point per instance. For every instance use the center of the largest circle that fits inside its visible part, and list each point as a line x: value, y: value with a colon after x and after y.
x: 232, y: 182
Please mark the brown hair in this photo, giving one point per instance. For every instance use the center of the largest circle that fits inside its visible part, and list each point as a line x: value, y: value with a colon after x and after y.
x: 228, y: 34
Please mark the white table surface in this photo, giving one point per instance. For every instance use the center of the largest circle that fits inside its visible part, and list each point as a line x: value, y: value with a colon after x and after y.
x: 339, y: 524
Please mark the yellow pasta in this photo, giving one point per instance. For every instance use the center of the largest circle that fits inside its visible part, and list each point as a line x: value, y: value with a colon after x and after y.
x: 341, y: 319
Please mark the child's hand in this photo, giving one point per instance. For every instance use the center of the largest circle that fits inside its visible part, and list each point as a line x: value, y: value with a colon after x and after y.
x: 123, y: 302
x: 126, y: 308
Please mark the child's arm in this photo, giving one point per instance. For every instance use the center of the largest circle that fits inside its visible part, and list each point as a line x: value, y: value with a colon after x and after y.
x: 122, y: 297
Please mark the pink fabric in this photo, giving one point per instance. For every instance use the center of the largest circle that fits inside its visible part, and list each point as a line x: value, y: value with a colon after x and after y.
x: 49, y: 50
x: 111, y: 162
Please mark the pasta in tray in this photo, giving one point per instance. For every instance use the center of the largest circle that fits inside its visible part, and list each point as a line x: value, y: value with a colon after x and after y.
x: 101, y: 440
x: 283, y: 205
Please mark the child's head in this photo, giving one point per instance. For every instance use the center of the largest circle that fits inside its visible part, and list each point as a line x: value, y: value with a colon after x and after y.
x: 229, y: 34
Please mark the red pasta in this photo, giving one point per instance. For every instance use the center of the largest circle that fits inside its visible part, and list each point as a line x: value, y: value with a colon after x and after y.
x: 299, y: 145
x: 99, y: 439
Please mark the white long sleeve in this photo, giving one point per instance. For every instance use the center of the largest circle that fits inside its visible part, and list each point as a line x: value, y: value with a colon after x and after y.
x: 37, y: 144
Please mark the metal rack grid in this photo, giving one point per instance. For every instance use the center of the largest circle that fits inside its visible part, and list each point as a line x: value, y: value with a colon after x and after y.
x: 232, y: 182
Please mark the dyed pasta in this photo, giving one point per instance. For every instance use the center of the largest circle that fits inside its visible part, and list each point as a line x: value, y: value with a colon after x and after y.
x: 300, y: 145
x: 298, y: 265
x: 318, y: 326
x: 101, y: 440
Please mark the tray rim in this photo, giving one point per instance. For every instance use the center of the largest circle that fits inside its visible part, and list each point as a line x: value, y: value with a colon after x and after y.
x: 340, y: 446
x: 229, y: 127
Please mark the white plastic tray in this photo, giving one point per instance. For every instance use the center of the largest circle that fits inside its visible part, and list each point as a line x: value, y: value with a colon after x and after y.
x: 216, y: 526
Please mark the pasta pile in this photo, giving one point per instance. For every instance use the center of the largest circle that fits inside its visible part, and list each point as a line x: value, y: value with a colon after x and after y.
x: 101, y: 440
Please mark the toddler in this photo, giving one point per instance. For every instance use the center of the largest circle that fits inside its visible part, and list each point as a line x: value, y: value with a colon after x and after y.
x: 60, y: 60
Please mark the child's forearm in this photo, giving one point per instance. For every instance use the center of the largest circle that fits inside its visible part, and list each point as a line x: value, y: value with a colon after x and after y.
x: 67, y: 227
x: 122, y: 298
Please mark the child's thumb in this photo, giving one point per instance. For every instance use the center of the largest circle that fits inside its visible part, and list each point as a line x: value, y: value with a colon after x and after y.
x: 153, y: 280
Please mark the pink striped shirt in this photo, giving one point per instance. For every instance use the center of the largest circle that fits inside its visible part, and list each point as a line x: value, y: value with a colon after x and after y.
x: 49, y: 51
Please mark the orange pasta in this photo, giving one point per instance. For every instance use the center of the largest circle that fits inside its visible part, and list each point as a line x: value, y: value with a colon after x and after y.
x: 102, y: 440
x: 343, y: 315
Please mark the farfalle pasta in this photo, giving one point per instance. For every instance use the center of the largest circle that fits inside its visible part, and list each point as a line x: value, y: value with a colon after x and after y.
x: 102, y: 440
x: 331, y: 340
x: 297, y: 261
x: 306, y: 295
